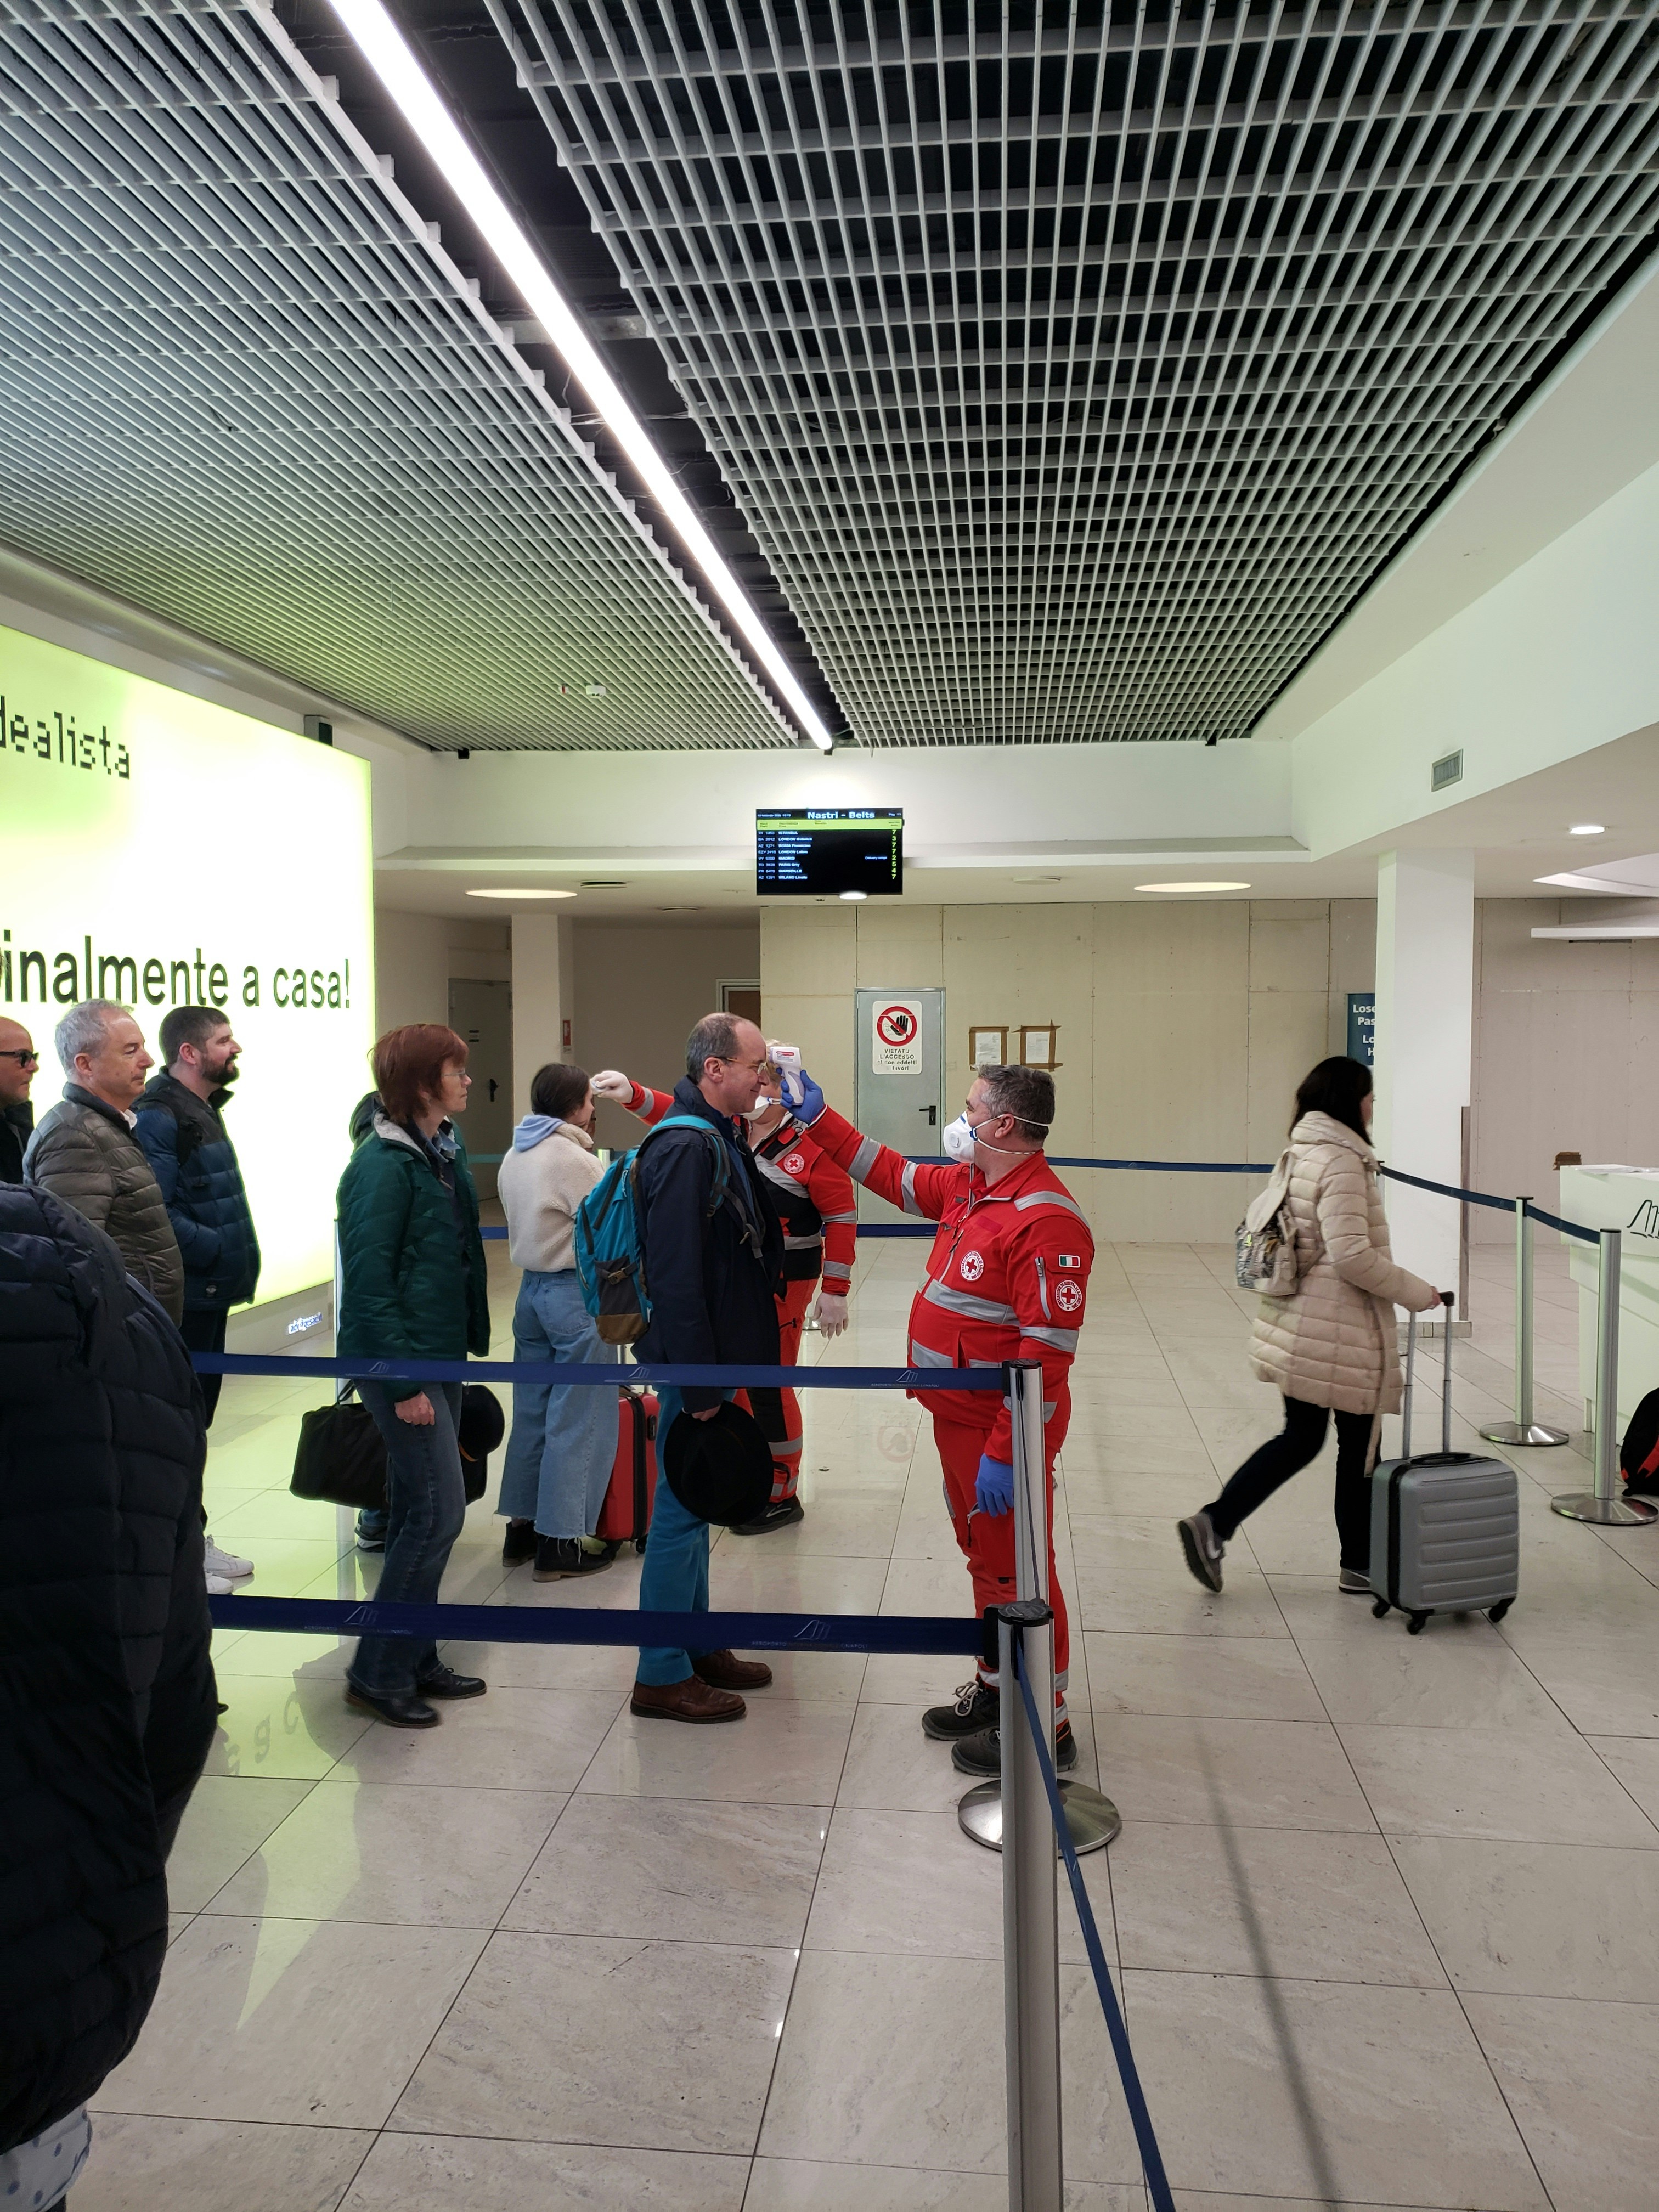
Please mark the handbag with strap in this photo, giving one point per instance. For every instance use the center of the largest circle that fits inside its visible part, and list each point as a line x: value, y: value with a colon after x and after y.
x: 1265, y: 1241
x: 340, y: 1455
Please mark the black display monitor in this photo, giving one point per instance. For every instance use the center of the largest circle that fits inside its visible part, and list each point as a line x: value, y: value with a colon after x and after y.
x: 822, y: 851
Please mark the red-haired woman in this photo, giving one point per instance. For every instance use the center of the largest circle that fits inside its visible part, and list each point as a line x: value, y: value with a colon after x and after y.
x: 412, y: 1287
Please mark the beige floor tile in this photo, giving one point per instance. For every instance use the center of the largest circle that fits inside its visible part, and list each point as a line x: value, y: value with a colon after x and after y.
x: 1605, y: 1680
x: 675, y: 1871
x: 1635, y: 1761
x: 1254, y: 1774
x: 1113, y: 1594
x: 314, y: 2023
x: 441, y: 1858
x: 288, y: 1726
x: 840, y: 1524
x: 228, y: 1819
x: 1218, y: 1677
x: 1292, y: 1903
x: 897, y: 2061
x: 1532, y: 1782
x: 601, y: 1669
x: 304, y: 1658
x: 512, y: 1738
x: 892, y: 1767
x: 443, y: 2173
x: 783, y: 1752
x: 285, y: 1566
x: 560, y: 2038
x: 1579, y: 2079
x: 208, y: 2166
x: 1548, y: 1920
x: 781, y: 2184
x: 892, y: 1678
x: 746, y: 1578
x: 1468, y: 1680
x: 1324, y: 2090
x: 937, y: 1586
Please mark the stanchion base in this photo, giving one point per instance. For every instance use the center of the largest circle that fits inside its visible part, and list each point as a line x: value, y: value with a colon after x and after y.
x: 1092, y: 1820
x: 1534, y: 1433
x: 1605, y: 1512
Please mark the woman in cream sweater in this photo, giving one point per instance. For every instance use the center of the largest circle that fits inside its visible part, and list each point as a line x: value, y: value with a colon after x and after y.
x: 563, y: 1443
x: 1331, y: 1348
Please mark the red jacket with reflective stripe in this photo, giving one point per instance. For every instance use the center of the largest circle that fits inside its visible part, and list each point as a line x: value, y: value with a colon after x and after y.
x: 1007, y: 1278
x: 813, y: 1196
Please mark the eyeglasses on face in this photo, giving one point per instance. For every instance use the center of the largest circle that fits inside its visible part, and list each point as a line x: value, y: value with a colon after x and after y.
x: 30, y: 1059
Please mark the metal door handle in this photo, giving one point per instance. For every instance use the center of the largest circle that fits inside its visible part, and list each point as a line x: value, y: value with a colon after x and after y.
x: 931, y: 1112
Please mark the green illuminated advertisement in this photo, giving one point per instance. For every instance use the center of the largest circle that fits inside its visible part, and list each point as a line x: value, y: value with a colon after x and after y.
x: 165, y: 851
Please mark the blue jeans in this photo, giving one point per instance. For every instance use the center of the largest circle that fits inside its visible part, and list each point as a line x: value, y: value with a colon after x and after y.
x: 426, y: 1502
x: 563, y: 1443
x: 674, y: 1578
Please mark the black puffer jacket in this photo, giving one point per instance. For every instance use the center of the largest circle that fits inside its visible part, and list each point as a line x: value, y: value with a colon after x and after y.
x: 195, y: 1164
x: 106, y: 1694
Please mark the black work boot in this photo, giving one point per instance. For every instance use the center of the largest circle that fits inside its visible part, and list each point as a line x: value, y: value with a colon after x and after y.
x: 977, y: 1706
x: 981, y: 1754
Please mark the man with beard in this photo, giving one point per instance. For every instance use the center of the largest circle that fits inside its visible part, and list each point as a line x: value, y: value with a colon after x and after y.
x: 181, y: 1128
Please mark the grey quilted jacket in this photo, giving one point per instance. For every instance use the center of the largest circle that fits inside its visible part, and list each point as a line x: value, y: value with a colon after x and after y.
x: 1335, y: 1342
x: 85, y: 1153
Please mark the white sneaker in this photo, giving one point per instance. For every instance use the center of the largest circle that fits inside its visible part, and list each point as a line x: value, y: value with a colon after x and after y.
x: 219, y: 1586
x: 226, y: 1562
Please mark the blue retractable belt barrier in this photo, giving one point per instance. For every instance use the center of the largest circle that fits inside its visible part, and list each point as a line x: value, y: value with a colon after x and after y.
x: 550, y: 1370
x: 1170, y: 1167
x: 1448, y: 1190
x: 535, y: 1623
x: 1567, y: 1228
x: 1151, y: 2159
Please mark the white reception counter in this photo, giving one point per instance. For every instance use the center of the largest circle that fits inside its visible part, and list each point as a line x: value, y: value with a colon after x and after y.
x: 1627, y: 1199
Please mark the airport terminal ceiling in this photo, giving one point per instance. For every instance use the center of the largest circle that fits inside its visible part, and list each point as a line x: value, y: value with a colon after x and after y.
x: 1049, y: 373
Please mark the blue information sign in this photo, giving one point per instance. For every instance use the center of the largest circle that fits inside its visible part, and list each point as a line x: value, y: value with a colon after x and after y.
x: 1362, y: 1026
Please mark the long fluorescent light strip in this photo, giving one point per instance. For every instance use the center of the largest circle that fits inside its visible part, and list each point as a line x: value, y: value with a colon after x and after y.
x: 389, y: 56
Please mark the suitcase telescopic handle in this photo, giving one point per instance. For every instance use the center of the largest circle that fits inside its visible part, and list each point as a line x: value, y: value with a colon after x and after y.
x: 1447, y: 1300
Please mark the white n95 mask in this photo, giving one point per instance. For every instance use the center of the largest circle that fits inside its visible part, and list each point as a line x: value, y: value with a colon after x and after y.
x: 957, y: 1139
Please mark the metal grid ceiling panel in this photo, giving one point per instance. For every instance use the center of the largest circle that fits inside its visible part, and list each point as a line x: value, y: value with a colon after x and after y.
x: 243, y: 388
x: 1077, y: 367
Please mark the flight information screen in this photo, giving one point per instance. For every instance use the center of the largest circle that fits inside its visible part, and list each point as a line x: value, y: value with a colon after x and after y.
x: 825, y: 852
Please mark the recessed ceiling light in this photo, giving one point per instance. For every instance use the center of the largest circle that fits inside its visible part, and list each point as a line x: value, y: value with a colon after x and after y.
x: 1588, y: 829
x: 855, y: 895
x: 1192, y: 887
x: 390, y: 55
x: 516, y: 891
x: 597, y: 885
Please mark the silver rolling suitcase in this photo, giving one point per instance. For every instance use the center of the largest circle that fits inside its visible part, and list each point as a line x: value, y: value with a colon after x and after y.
x: 1445, y: 1525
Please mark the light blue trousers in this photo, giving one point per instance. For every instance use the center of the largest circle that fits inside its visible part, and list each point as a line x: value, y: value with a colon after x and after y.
x: 675, y: 1577
x: 563, y: 1443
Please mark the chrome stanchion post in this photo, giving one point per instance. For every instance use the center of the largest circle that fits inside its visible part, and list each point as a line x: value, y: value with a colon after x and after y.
x: 1031, y: 1925
x: 1091, y: 1818
x: 1603, y: 1505
x: 1523, y: 1429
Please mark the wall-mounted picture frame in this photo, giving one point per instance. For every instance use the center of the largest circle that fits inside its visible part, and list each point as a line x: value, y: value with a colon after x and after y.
x: 987, y: 1045
x: 1039, y: 1045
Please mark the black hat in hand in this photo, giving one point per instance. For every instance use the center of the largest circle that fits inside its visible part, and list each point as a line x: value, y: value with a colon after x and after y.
x: 718, y: 1469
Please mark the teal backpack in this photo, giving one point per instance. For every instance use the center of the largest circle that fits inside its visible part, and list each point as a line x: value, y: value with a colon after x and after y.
x: 610, y: 1225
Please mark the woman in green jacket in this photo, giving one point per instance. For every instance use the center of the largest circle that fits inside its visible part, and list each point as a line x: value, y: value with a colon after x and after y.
x: 412, y: 1287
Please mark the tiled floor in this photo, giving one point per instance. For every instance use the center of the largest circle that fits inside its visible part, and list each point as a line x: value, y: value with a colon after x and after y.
x: 1382, y: 1905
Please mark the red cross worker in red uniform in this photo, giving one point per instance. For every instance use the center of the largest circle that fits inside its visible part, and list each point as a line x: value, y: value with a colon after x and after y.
x: 814, y: 1200
x: 1008, y: 1278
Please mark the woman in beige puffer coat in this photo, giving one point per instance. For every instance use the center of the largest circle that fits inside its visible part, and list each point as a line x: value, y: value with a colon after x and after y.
x: 1331, y: 1346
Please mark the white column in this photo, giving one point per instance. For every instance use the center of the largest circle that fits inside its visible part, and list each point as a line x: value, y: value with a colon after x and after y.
x: 1424, y: 1030
x: 542, y: 1000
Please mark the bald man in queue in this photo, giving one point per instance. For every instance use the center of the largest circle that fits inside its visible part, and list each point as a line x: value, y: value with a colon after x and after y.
x: 19, y: 1066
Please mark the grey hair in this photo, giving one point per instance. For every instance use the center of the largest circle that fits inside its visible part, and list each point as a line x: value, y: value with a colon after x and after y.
x: 1027, y: 1093
x: 715, y: 1037
x: 83, y: 1029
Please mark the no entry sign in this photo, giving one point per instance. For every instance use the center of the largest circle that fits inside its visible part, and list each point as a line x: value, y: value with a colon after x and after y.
x: 896, y: 1037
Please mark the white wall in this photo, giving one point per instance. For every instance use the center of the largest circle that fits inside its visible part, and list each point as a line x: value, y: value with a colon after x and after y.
x: 639, y: 986
x: 416, y: 955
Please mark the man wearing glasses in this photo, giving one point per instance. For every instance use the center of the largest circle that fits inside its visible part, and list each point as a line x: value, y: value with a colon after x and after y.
x: 19, y: 1062
x: 713, y: 1276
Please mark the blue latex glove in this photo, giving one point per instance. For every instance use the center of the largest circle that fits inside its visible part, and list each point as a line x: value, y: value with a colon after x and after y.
x: 994, y: 1492
x: 805, y: 1099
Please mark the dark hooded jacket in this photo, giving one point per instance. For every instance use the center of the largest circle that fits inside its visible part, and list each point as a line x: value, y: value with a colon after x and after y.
x: 106, y: 1693
x: 195, y: 1164
x: 16, y: 1127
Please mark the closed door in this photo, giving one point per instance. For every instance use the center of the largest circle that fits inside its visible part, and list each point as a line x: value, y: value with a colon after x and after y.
x: 481, y: 1013
x: 899, y: 1086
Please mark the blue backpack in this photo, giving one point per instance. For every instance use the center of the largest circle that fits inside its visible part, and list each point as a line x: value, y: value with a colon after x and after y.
x: 609, y: 1235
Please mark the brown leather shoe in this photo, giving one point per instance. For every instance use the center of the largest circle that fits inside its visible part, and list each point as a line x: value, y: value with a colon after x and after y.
x: 724, y: 1670
x: 691, y: 1700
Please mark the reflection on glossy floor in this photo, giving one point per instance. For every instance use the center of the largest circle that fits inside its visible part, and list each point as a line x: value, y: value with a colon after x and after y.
x: 1382, y: 1905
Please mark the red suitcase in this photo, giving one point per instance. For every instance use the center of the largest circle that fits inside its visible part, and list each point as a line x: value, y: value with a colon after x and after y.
x: 626, y: 1515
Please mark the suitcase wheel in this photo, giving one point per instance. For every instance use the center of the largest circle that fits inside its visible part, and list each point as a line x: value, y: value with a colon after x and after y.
x: 639, y: 1543
x: 1417, y: 1624
x: 1380, y: 1608
x: 1496, y: 1613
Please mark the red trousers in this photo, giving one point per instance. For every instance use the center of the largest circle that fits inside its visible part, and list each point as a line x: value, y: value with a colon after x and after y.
x: 778, y: 1411
x: 987, y: 1538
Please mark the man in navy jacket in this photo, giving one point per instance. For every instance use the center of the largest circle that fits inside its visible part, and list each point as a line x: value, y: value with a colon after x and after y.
x: 180, y: 1126
x: 712, y: 1278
